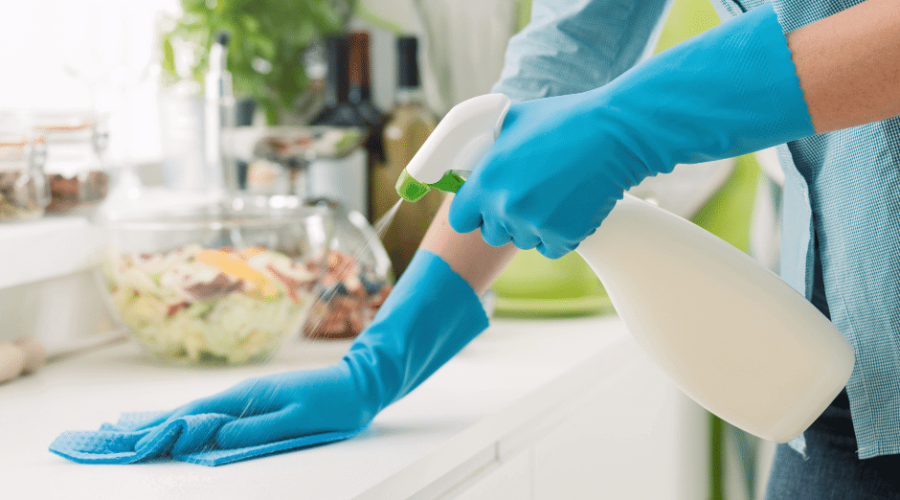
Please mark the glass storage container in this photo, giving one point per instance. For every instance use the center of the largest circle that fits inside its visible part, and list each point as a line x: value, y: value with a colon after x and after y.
x: 77, y: 176
x: 23, y: 190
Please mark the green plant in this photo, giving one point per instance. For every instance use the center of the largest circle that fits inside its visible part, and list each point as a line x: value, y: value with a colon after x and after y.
x: 268, y: 39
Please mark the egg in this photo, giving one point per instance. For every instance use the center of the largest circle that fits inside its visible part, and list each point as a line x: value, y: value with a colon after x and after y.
x: 35, y: 353
x: 12, y: 361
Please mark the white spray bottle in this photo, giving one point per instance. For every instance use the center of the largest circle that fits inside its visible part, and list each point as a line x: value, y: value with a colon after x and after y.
x: 730, y: 333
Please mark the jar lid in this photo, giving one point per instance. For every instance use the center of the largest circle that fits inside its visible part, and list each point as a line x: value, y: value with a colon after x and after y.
x: 13, y: 141
x: 65, y: 127
x: 13, y: 151
x: 18, y: 142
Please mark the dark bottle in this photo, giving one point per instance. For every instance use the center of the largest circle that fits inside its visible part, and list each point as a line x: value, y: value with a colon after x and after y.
x: 344, y: 179
x: 360, y: 92
x: 339, y: 111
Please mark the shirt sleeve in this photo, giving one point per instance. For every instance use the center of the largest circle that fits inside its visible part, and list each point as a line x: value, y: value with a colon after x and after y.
x: 573, y: 46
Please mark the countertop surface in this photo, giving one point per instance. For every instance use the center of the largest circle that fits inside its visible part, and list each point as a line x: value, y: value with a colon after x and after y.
x: 493, y: 391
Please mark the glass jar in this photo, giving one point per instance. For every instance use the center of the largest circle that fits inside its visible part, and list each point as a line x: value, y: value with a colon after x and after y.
x: 23, y: 190
x: 77, y: 176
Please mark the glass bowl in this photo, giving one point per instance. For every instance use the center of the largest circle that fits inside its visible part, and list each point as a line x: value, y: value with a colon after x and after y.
x: 224, y: 285
x: 356, y: 276
x: 356, y: 279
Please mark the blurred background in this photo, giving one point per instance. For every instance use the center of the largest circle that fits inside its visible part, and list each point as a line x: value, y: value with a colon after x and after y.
x: 74, y: 55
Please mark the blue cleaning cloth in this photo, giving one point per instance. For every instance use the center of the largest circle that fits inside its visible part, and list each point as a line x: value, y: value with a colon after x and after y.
x: 187, y: 439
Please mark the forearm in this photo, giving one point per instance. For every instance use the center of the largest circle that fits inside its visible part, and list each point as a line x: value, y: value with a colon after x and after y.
x: 571, y: 46
x: 477, y: 262
x: 849, y: 65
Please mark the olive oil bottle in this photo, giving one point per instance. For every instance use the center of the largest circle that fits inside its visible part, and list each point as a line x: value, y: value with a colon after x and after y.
x: 410, y: 123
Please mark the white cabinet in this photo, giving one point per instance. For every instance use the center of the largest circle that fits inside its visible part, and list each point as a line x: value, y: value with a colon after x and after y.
x: 631, y: 435
x: 637, y: 439
x: 47, y: 288
x: 509, y: 481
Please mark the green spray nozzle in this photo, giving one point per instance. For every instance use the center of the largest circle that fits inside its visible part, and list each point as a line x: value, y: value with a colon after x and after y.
x: 455, y: 147
x: 411, y: 189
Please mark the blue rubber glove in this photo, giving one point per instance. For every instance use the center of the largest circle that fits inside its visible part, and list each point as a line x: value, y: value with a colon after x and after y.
x: 561, y: 163
x: 430, y: 315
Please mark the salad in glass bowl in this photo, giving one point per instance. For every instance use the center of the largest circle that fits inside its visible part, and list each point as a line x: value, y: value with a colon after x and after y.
x: 218, y: 285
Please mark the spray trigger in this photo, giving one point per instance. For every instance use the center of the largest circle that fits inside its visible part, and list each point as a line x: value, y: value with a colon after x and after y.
x: 411, y: 189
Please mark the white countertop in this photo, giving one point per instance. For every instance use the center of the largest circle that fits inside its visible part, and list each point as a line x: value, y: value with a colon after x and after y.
x: 501, y: 388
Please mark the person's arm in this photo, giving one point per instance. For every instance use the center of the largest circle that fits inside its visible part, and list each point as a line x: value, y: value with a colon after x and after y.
x: 849, y: 65
x: 474, y: 260
x: 560, y: 164
x: 572, y: 46
x: 568, y: 47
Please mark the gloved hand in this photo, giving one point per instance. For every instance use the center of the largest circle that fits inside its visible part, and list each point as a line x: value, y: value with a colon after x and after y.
x: 561, y: 163
x: 430, y: 315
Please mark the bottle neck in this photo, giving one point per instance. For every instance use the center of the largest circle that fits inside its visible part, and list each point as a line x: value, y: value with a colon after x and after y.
x: 337, y: 86
x: 336, y: 91
x: 359, y: 93
x: 358, y: 58
x: 218, y: 79
x: 409, y: 95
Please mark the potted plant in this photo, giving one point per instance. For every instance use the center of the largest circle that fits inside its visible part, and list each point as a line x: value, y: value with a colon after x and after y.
x: 268, y: 39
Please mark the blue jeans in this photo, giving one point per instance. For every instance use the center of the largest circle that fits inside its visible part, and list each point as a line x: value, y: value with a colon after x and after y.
x: 832, y: 470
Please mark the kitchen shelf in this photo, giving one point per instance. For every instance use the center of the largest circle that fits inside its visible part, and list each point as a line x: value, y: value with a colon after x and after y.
x: 55, y: 246
x: 46, y: 248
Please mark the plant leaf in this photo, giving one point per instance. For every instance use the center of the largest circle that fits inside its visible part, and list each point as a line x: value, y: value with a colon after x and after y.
x: 168, y: 62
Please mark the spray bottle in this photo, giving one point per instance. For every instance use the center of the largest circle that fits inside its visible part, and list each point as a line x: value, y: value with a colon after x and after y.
x: 732, y: 335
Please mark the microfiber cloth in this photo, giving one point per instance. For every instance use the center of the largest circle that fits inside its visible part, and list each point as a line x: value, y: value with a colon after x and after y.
x: 187, y: 439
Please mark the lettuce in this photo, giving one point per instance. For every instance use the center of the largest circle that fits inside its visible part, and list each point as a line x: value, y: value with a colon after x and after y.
x: 155, y: 297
